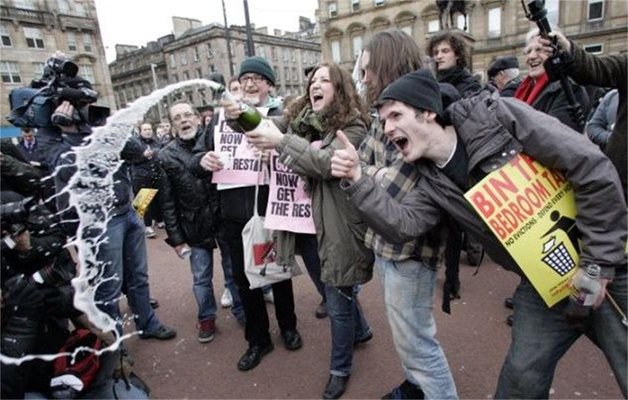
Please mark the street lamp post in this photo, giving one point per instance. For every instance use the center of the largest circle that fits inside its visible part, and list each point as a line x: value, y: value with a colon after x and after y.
x: 152, y: 69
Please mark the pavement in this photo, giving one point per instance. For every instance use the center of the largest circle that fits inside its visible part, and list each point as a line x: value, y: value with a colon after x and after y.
x: 475, y: 338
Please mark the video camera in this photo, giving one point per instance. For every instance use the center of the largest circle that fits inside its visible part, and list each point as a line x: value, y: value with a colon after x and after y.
x: 34, y: 106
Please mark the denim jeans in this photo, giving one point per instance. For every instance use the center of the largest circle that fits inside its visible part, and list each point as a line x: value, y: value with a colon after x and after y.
x: 347, y: 326
x: 225, y: 254
x: 541, y: 335
x: 202, y: 265
x: 124, y: 255
x: 307, y: 246
x: 408, y: 295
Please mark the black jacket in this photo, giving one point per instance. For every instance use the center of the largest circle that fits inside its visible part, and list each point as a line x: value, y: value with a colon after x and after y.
x: 235, y: 204
x: 510, y: 88
x: 145, y: 172
x: 553, y: 101
x: 460, y: 78
x: 189, y: 204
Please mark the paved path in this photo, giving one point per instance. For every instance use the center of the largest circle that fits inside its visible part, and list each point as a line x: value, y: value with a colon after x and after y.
x: 475, y: 338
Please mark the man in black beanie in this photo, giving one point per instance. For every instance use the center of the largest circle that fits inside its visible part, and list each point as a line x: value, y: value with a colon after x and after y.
x: 482, y: 134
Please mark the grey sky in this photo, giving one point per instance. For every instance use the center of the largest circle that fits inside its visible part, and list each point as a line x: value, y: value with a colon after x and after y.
x: 140, y: 21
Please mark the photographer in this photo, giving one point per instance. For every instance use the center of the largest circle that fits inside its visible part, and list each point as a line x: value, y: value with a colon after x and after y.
x: 36, y: 294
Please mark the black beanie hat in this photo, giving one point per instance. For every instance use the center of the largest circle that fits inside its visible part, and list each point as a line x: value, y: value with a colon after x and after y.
x: 417, y: 89
x: 502, y: 63
x: 257, y: 65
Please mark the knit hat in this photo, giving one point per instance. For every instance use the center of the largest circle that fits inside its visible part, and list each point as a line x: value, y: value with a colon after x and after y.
x: 257, y: 65
x: 417, y: 89
x: 502, y: 63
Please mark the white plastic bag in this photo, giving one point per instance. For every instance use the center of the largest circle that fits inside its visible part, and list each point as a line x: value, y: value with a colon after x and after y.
x: 260, y: 254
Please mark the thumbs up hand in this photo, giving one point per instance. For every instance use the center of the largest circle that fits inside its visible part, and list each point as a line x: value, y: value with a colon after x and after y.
x: 345, y: 163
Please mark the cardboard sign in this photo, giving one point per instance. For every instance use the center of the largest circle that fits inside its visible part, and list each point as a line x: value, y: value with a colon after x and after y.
x: 242, y: 166
x: 289, y: 206
x: 532, y: 212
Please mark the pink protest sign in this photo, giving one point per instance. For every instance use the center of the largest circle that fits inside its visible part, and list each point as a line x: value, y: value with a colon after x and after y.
x: 289, y: 206
x: 241, y: 163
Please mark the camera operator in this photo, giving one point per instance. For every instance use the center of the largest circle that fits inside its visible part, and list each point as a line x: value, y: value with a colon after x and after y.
x: 123, y: 249
x: 36, y: 294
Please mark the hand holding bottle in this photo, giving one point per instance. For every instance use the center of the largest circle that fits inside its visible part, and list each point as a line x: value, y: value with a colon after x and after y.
x: 265, y: 136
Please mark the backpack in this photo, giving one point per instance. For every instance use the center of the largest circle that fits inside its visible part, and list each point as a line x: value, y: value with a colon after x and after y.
x: 73, y: 374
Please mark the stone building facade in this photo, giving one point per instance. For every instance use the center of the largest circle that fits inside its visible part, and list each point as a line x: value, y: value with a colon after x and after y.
x: 196, y: 51
x: 494, y: 27
x: 32, y: 30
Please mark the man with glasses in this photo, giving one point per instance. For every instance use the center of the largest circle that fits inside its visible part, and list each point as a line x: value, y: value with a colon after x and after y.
x: 257, y: 79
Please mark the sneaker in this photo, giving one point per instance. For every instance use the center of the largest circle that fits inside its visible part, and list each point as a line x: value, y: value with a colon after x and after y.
x: 226, y: 300
x: 206, y: 330
x: 406, y: 390
x: 363, y: 339
x: 268, y: 297
x: 150, y: 232
x: 162, y: 333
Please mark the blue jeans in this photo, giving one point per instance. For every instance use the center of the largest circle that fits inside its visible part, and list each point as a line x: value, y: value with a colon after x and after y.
x: 541, y: 335
x: 236, y: 309
x: 124, y: 256
x: 347, y: 326
x: 202, y: 265
x: 408, y: 295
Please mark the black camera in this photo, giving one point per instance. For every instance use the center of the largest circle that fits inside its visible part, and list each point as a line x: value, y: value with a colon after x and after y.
x: 34, y: 106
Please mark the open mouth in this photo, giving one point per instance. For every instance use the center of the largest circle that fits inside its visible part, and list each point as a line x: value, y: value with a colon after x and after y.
x: 401, y: 143
x: 316, y: 98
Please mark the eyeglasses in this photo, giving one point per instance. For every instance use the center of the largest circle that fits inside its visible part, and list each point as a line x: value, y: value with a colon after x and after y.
x: 253, y: 78
x: 179, y: 117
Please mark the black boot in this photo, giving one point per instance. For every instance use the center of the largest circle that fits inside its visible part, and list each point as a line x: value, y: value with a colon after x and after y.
x: 336, y: 386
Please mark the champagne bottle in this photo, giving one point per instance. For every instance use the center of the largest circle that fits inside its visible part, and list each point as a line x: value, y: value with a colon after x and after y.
x: 250, y: 117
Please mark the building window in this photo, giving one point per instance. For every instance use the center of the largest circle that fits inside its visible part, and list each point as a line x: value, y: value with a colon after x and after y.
x: 64, y: 6
x: 199, y: 73
x: 186, y: 76
x: 594, y: 48
x: 175, y: 78
x: 34, y: 38
x: 293, y: 55
x: 173, y: 61
x: 494, y: 22
x: 335, y: 51
x: 433, y: 26
x: 356, y: 42
x: 552, y: 7
x: 285, y: 55
x: 5, y: 38
x: 595, y: 10
x: 333, y: 10
x: 210, y: 51
x: 378, y: 2
x: 10, y: 72
x: 460, y: 23
x: 286, y: 74
x: 295, y: 75
x: 87, y: 72
x: 355, y: 5
x: 184, y: 58
x: 26, y: 4
x: 196, y: 57
x: 87, y: 42
x: 273, y: 53
x: 71, y: 37
x: 38, y: 69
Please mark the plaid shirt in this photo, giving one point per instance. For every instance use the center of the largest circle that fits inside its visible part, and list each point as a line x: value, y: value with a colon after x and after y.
x: 377, y: 152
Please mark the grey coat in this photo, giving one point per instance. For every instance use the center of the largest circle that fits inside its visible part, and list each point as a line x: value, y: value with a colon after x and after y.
x: 493, y: 131
x: 345, y: 260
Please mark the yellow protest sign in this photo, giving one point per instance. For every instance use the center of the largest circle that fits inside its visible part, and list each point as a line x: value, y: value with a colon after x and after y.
x: 142, y: 200
x: 531, y: 210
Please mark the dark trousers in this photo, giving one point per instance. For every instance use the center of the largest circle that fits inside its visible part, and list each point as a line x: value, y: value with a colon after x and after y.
x: 307, y: 246
x: 257, y: 325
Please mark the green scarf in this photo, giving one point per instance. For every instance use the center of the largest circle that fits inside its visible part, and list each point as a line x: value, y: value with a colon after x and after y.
x: 308, y: 125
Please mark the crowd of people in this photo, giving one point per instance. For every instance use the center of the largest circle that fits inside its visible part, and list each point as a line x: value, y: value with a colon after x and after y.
x: 380, y: 178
